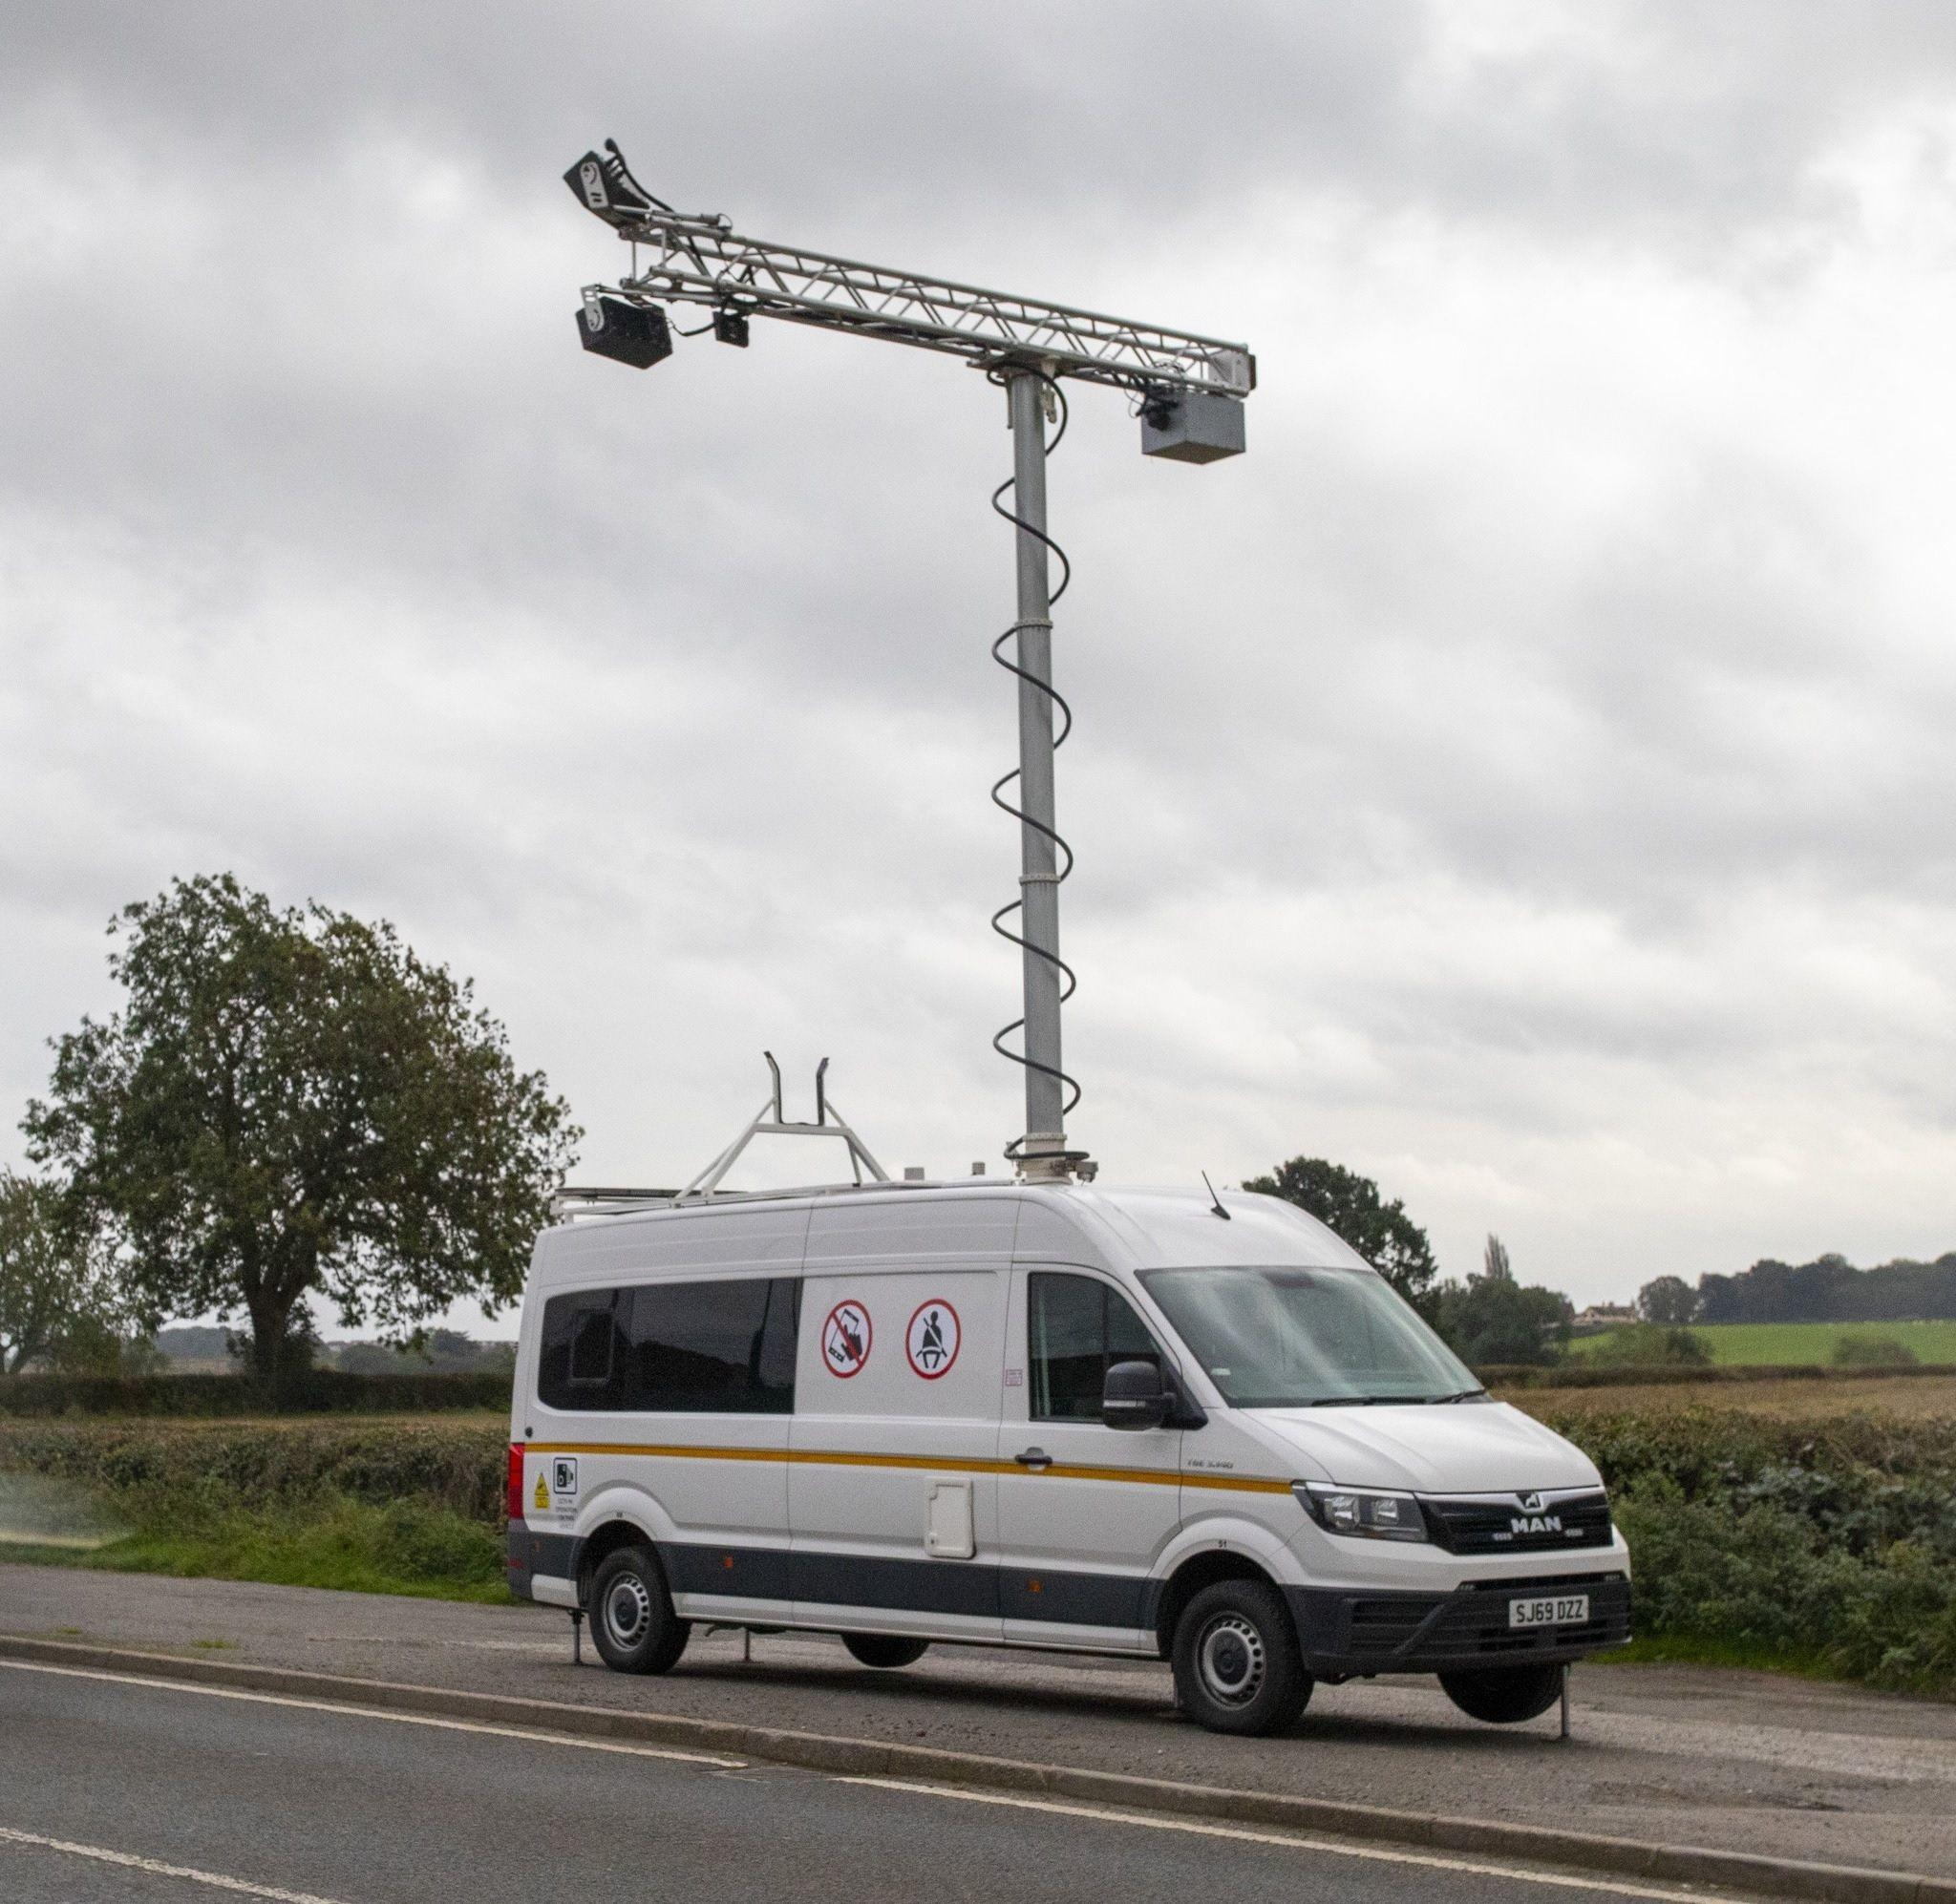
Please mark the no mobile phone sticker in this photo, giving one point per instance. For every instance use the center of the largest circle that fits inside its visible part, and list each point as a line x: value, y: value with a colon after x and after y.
x: 845, y: 1340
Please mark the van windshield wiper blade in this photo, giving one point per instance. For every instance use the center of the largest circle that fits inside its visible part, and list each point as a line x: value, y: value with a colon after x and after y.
x: 1465, y: 1395
x: 1354, y: 1401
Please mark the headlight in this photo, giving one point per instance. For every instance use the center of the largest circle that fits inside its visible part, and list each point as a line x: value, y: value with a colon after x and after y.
x: 1361, y: 1512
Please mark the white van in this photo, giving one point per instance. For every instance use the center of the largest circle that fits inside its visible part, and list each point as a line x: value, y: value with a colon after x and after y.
x: 1042, y: 1415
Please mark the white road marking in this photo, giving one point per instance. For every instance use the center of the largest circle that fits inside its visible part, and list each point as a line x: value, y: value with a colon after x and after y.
x: 528, y: 1735
x: 1291, y: 1840
x: 157, y: 1867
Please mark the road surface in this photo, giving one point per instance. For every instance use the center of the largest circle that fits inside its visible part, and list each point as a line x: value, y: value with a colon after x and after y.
x: 114, y: 1788
x: 1745, y: 1761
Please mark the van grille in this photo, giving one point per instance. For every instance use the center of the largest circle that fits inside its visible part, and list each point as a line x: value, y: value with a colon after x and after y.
x: 1502, y: 1526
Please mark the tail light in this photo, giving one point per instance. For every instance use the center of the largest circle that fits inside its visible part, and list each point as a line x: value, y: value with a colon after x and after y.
x: 514, y: 1497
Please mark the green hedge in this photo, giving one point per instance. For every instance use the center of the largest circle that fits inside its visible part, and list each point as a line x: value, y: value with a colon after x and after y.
x: 151, y: 1469
x: 1656, y: 1374
x: 320, y: 1392
x: 1823, y: 1543
x: 1830, y: 1543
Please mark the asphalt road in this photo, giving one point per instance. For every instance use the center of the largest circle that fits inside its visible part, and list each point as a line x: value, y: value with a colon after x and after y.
x: 1742, y: 1761
x: 114, y: 1788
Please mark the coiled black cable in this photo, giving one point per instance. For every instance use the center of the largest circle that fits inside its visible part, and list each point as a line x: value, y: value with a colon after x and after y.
x: 1068, y: 981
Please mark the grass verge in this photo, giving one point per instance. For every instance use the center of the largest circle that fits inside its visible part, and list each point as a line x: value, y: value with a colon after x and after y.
x: 401, y: 1547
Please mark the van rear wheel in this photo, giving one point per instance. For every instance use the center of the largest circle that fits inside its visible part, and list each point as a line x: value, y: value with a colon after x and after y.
x: 1238, y: 1667
x: 632, y: 1614
x: 1504, y: 1695
x: 885, y: 1649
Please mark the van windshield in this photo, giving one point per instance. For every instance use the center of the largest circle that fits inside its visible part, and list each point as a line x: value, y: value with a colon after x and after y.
x: 1278, y: 1337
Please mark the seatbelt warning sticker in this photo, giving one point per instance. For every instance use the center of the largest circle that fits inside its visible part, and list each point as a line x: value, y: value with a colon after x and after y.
x: 845, y: 1338
x: 932, y: 1341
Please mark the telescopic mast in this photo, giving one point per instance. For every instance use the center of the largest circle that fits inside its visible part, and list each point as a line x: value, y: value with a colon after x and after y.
x: 1190, y: 391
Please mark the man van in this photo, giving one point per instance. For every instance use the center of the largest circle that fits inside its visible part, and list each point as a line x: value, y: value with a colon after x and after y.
x: 1042, y: 1415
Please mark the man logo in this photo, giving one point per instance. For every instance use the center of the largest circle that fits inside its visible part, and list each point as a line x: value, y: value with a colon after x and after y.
x: 1531, y: 1504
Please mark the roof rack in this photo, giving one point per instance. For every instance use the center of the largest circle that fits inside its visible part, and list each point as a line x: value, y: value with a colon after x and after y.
x: 574, y: 1201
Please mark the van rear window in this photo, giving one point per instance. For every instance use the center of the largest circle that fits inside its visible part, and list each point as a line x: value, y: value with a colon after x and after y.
x: 722, y: 1347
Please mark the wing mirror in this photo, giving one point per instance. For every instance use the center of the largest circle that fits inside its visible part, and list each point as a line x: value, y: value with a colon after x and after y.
x: 1132, y: 1396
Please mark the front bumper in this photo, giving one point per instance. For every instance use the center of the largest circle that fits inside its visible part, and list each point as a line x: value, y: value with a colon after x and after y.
x: 1349, y: 1633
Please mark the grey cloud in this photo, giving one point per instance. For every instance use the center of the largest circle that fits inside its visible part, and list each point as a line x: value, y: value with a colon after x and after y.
x: 1428, y: 816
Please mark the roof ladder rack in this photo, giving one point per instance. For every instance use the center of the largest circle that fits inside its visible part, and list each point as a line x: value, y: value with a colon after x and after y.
x: 769, y: 1121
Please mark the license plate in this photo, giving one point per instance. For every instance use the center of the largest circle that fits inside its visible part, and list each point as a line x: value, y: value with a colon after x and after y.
x: 1550, y: 1610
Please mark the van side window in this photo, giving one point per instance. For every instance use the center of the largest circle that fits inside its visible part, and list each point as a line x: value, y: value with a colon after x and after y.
x: 673, y: 1348
x: 578, y: 1365
x: 1075, y: 1326
x: 714, y: 1347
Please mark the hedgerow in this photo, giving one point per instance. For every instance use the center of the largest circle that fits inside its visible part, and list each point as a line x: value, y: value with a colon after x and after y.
x: 151, y: 1470
x: 1821, y: 1543
x: 314, y: 1391
x: 1829, y: 1542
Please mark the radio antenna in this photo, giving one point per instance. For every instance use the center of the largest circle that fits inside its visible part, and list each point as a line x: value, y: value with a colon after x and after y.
x: 1187, y: 389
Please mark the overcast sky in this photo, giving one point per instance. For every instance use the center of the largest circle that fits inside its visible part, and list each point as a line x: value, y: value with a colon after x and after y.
x: 1525, y: 776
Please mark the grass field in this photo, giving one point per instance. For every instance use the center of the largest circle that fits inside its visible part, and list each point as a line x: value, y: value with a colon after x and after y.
x: 1734, y: 1345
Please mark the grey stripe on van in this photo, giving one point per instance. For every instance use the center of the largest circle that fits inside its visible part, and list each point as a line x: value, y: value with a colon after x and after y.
x: 976, y: 1589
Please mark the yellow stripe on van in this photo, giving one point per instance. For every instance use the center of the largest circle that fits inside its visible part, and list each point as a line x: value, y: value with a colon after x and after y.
x: 1060, y: 1471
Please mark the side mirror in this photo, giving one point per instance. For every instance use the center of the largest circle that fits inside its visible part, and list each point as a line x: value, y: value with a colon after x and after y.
x: 1134, y: 1397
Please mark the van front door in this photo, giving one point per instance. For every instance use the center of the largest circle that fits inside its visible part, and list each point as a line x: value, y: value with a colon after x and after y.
x: 1084, y: 1509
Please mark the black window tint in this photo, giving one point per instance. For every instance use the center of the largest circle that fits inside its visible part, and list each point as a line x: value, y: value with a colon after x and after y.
x: 1075, y: 1327
x: 578, y: 1366
x: 703, y: 1347
x: 673, y: 1348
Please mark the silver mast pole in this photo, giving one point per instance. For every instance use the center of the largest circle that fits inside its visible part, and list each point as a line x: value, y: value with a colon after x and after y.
x: 1045, y: 1138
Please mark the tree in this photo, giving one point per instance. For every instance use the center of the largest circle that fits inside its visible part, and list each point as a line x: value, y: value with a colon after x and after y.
x: 1490, y: 1319
x: 1668, y: 1299
x: 1351, y: 1205
x: 292, y: 1101
x: 59, y: 1296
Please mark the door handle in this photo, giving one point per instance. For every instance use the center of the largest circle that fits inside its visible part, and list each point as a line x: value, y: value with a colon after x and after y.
x: 1035, y: 1458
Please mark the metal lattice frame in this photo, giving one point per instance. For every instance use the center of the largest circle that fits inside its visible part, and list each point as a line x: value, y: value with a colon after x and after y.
x: 700, y: 261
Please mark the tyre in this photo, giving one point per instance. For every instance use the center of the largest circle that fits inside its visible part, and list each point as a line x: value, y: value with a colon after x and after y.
x: 885, y: 1649
x: 1236, y: 1659
x: 1504, y: 1695
x: 632, y: 1614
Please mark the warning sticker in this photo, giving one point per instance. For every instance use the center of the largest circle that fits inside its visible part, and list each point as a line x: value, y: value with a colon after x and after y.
x: 563, y: 1477
x: 541, y: 1497
x: 932, y: 1341
x: 845, y: 1340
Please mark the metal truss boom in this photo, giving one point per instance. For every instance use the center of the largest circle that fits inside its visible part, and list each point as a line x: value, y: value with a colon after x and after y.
x: 1189, y: 392
x: 700, y: 261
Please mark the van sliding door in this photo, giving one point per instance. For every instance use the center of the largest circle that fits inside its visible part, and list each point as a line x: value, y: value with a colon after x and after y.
x: 892, y: 1489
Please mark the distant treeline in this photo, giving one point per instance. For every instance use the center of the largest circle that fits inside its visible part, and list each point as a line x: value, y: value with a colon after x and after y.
x: 1832, y: 1290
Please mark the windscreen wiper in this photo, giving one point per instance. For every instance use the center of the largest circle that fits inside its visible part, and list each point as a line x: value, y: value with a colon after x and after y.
x: 1465, y: 1395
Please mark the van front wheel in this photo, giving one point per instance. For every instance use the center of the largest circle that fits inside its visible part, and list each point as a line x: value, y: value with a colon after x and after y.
x: 1504, y: 1695
x: 885, y: 1649
x: 631, y: 1615
x: 1237, y: 1664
